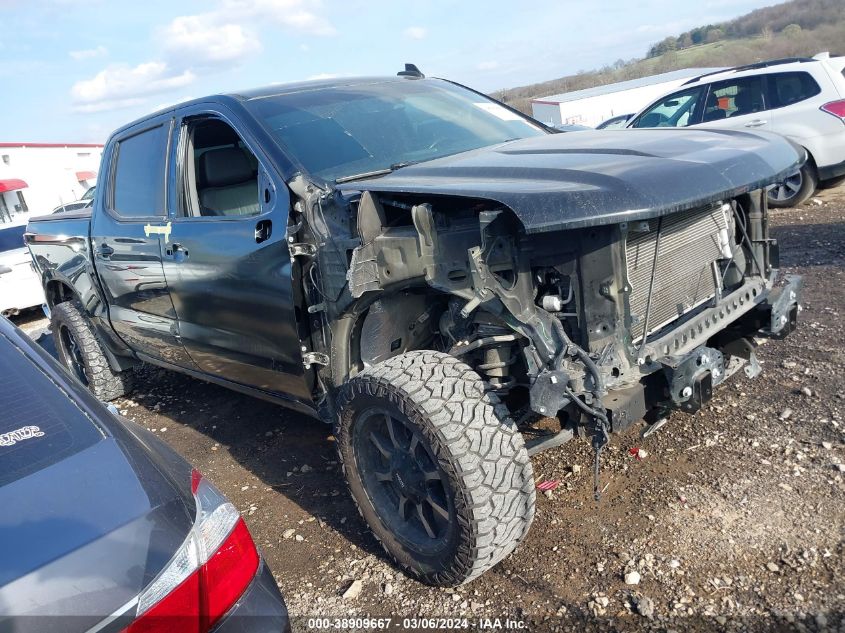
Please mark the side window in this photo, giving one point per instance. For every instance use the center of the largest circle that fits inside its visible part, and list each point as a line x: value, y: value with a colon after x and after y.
x: 138, y: 185
x: 219, y: 173
x: 788, y: 88
x: 735, y: 97
x: 677, y: 110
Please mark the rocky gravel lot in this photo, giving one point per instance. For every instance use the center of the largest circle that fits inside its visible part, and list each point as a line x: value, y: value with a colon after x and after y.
x: 731, y: 519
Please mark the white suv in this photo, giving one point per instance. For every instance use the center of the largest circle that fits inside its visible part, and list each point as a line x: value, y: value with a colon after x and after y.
x: 800, y: 98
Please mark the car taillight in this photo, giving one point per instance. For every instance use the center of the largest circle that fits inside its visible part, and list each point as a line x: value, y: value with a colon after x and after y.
x: 208, y: 573
x: 836, y: 108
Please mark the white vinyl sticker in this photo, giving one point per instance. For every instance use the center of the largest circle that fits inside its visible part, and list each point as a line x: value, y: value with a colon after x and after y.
x: 496, y: 110
x: 18, y: 435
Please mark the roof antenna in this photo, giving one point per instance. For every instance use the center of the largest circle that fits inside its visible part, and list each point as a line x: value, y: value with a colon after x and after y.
x: 411, y: 71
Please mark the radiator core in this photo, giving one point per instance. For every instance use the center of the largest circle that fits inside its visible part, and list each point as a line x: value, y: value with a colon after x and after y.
x: 689, y: 242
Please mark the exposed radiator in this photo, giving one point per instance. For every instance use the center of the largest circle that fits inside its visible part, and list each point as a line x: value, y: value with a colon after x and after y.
x: 689, y: 242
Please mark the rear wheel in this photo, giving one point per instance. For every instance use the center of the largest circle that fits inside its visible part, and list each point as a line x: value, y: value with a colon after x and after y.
x: 79, y: 351
x: 795, y: 188
x: 437, y: 468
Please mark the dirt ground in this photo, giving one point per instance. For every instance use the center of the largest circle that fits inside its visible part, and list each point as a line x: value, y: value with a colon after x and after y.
x: 734, y: 519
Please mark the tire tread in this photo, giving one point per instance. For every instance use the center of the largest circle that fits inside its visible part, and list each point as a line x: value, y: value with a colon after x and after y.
x: 103, y: 382
x: 482, y: 445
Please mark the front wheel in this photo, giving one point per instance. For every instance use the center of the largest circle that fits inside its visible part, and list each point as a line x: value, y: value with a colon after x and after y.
x: 794, y: 189
x: 435, y: 465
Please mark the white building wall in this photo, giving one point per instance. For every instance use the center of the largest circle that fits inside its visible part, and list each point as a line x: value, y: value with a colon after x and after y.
x: 548, y: 113
x: 593, y: 110
x: 49, y: 172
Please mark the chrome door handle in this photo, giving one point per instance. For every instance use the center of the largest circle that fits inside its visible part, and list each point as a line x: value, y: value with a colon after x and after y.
x: 176, y: 251
x: 756, y: 123
x: 263, y: 231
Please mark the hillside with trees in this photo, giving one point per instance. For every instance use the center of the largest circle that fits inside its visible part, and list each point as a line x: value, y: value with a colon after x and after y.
x: 799, y: 28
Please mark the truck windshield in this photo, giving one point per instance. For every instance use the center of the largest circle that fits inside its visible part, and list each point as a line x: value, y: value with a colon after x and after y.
x: 340, y: 131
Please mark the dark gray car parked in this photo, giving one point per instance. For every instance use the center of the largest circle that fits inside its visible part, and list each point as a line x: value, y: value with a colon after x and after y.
x: 104, y: 527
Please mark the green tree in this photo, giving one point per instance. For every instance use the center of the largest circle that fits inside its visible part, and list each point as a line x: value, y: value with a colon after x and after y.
x: 663, y: 46
x: 791, y: 30
x: 714, y: 35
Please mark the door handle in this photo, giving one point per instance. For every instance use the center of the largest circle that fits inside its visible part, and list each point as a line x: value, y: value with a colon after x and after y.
x: 756, y: 123
x: 263, y: 231
x: 104, y: 251
x: 176, y: 251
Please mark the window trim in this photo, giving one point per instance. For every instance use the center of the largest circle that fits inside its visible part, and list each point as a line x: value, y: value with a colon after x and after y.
x: 176, y: 211
x: 115, y: 156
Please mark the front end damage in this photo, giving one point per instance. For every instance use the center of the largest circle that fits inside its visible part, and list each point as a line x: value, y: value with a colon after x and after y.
x: 580, y: 331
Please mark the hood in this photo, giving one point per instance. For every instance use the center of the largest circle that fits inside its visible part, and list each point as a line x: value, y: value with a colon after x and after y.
x: 564, y: 181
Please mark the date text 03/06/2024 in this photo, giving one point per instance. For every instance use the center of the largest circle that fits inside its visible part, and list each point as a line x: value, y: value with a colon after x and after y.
x: 415, y: 623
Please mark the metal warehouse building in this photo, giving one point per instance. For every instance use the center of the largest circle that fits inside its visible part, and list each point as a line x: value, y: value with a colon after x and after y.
x: 594, y: 105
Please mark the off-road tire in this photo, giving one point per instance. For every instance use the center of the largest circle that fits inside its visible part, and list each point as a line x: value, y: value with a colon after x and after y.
x: 474, y: 442
x: 806, y: 188
x: 99, y: 377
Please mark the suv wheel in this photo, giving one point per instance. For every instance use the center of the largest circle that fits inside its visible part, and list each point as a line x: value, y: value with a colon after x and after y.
x: 79, y: 351
x: 795, y: 188
x: 435, y: 465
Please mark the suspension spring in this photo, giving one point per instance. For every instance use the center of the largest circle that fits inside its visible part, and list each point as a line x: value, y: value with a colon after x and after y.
x: 497, y: 371
x: 496, y: 361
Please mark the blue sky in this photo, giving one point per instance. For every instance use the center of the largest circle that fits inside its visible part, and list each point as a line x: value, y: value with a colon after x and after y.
x: 73, y: 70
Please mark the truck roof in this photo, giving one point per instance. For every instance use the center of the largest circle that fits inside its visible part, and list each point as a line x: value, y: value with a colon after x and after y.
x: 268, y: 91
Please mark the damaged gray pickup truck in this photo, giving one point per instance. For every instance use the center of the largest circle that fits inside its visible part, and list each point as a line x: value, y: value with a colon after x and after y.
x: 449, y: 283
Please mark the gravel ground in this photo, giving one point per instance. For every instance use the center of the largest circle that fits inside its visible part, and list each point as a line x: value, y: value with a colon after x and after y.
x: 733, y: 517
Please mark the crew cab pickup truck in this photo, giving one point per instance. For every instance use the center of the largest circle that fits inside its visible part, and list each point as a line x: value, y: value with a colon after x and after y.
x: 449, y: 283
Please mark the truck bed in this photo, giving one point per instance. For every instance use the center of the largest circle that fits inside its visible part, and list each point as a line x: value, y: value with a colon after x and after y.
x: 84, y: 214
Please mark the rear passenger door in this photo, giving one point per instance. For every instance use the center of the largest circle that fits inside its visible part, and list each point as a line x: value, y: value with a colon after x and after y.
x: 738, y: 104
x: 128, y: 227
x: 226, y: 260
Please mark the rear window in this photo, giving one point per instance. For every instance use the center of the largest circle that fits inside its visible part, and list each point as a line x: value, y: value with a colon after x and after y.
x: 788, y: 88
x: 39, y: 425
x: 11, y: 238
x: 138, y: 189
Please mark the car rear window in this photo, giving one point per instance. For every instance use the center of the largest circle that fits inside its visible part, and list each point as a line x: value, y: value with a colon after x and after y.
x: 788, y: 88
x: 11, y: 238
x: 39, y: 425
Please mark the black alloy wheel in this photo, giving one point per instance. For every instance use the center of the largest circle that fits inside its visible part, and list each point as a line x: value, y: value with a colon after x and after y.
x: 403, y: 480
x: 71, y: 354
